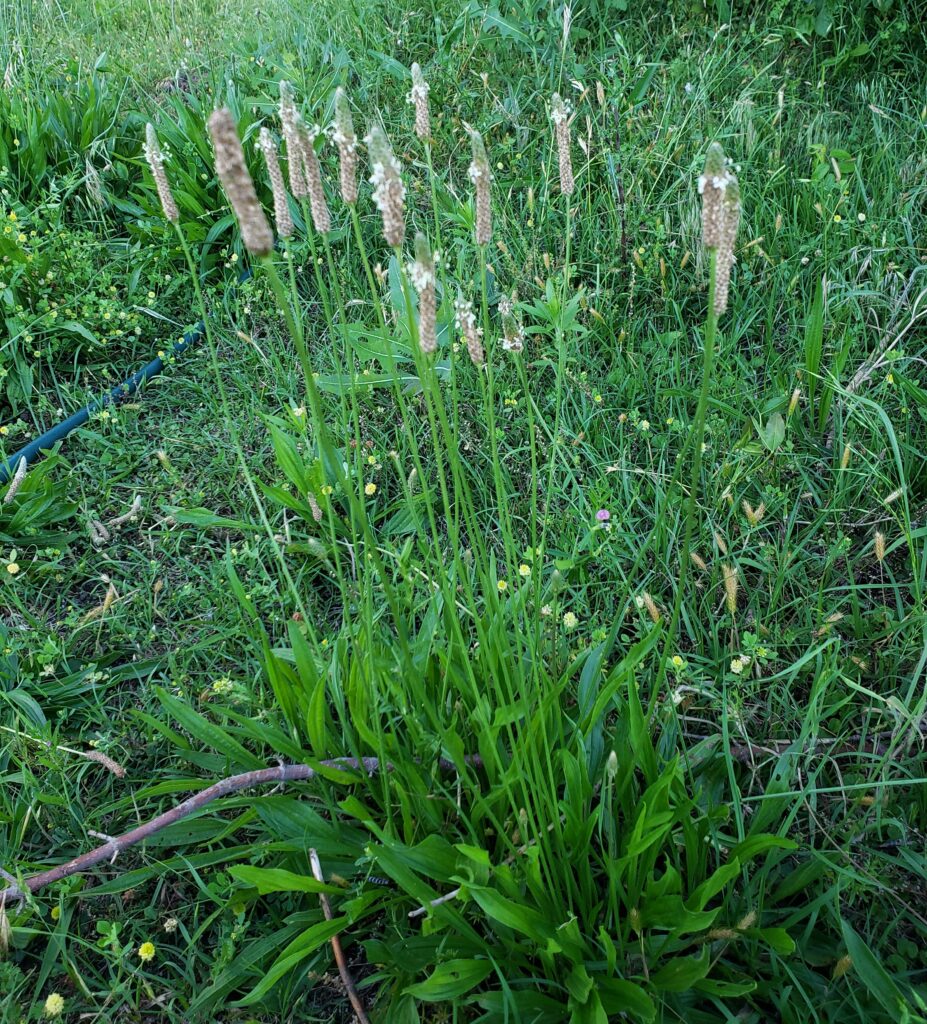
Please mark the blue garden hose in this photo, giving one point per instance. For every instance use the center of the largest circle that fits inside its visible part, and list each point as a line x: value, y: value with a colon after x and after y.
x: 50, y: 438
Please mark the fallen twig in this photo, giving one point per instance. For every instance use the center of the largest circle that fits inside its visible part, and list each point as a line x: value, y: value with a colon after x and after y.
x: 17, y: 891
x: 88, y: 755
x: 877, y: 743
x: 336, y: 943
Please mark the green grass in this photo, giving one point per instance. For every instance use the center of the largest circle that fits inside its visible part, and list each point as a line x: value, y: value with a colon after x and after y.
x: 657, y: 828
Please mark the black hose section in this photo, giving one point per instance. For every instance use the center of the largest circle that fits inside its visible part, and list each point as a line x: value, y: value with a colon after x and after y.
x: 120, y: 393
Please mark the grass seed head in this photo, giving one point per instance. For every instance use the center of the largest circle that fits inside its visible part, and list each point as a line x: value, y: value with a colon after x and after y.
x: 346, y: 140
x: 233, y: 173
x: 155, y: 159
x: 422, y: 275
x: 698, y: 561
x: 880, y: 546
x: 389, y: 192
x: 652, y: 610
x: 560, y: 115
x: 481, y: 176
x: 754, y: 515
x: 731, y: 584
x: 281, y: 206
x: 418, y: 96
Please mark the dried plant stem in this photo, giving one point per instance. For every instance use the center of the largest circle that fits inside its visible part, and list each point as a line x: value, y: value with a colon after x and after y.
x: 247, y: 780
x: 691, y: 509
x: 336, y: 943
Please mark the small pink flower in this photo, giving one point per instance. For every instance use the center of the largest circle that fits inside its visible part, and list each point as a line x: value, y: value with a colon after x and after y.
x: 603, y: 515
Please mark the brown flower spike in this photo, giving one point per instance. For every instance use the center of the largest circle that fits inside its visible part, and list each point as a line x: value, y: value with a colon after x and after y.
x: 481, y: 175
x: 346, y: 140
x: 389, y: 192
x: 422, y: 275
x: 155, y: 159
x: 289, y: 118
x: 466, y: 322
x: 560, y: 115
x: 281, y: 205
x: 418, y: 96
x: 312, y: 172
x: 720, y: 192
x: 233, y: 173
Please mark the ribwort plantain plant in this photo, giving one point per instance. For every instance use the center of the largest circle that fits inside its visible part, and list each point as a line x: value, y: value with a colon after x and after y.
x: 468, y: 632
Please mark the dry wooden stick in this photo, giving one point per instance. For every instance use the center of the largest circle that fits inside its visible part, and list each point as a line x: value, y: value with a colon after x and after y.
x: 108, y: 851
x: 88, y: 755
x: 336, y: 943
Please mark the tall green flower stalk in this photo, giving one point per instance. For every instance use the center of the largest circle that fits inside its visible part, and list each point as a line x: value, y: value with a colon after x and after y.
x: 155, y: 159
x: 720, y: 192
x: 560, y: 116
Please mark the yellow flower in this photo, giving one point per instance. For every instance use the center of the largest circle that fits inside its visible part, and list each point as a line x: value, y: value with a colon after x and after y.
x: 54, y: 1004
x: 837, y: 218
x: 146, y: 952
x: 570, y: 621
x: 327, y: 489
x: 370, y: 488
x: 524, y: 570
x: 678, y: 662
x: 502, y: 585
x: 12, y: 568
x: 55, y: 911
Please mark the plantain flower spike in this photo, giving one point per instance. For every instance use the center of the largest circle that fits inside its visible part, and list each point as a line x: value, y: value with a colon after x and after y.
x: 729, y: 223
x: 513, y: 334
x: 711, y: 186
x: 346, y: 140
x: 422, y: 275
x: 720, y: 192
x: 481, y: 175
x: 466, y: 323
x: 233, y: 173
x: 418, y: 96
x: 389, y: 192
x: 289, y: 118
x: 560, y: 115
x: 312, y: 172
x: 282, y: 216
x: 155, y: 159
